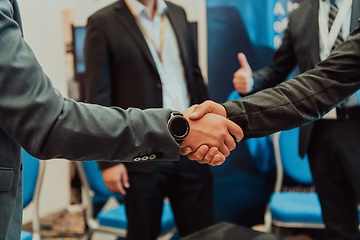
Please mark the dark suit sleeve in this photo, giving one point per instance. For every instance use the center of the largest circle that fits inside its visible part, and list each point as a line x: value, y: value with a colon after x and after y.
x: 281, y: 65
x: 303, y: 99
x: 48, y: 125
x: 283, y: 62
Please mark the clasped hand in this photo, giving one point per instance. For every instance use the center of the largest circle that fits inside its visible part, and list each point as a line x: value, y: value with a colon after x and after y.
x: 212, y: 136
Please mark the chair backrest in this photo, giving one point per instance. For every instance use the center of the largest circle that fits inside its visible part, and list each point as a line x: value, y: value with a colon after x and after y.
x: 94, y: 190
x: 295, y: 167
x: 33, y: 171
x: 30, y: 176
x: 96, y: 182
x: 288, y: 161
x: 234, y: 95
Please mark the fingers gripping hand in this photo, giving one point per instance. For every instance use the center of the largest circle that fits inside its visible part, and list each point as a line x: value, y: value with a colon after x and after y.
x: 243, y: 80
x: 214, y: 131
x: 210, y: 156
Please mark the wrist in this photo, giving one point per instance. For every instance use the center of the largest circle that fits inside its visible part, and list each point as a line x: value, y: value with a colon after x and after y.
x: 178, y: 126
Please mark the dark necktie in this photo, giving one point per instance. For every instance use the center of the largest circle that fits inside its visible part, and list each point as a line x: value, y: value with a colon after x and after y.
x: 332, y: 15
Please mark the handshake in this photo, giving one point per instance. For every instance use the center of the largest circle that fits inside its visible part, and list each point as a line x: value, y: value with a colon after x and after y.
x: 212, y: 136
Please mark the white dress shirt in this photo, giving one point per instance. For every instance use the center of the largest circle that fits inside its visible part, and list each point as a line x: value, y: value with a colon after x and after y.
x: 324, y: 20
x: 171, y: 69
x: 323, y: 24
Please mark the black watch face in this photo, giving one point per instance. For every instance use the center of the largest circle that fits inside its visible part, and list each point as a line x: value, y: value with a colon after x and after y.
x: 179, y: 126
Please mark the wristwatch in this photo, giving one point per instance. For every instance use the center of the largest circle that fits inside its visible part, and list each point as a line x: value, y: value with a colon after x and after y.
x: 178, y: 126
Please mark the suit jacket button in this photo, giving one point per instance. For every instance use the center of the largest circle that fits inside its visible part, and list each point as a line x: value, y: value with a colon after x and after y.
x: 152, y: 156
x: 160, y: 155
x: 144, y: 158
x: 158, y: 85
x: 137, y: 159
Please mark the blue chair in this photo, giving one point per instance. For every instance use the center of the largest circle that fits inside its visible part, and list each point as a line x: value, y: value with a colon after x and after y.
x: 25, y: 235
x: 33, y: 171
x: 292, y: 209
x: 112, y: 221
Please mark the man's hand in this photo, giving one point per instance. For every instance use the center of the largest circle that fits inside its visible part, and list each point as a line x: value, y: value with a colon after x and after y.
x: 243, y: 80
x: 204, y: 154
x: 212, y: 130
x: 116, y: 179
x: 198, y: 111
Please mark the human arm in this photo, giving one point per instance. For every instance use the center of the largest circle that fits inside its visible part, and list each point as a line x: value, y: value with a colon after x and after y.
x: 116, y: 178
x: 48, y: 125
x: 300, y: 100
x: 282, y: 63
x: 211, y: 138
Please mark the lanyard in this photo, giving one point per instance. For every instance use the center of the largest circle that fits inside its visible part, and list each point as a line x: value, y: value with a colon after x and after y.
x: 328, y: 38
x: 147, y: 34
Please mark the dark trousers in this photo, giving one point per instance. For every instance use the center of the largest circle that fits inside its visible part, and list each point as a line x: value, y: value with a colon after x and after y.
x: 334, y: 156
x: 188, y: 185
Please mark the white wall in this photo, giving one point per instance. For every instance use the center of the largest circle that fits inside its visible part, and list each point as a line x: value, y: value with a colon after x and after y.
x: 84, y: 8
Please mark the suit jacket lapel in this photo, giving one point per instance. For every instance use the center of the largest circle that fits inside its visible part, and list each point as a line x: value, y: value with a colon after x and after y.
x: 355, y: 14
x: 175, y: 20
x: 313, y: 27
x: 128, y: 21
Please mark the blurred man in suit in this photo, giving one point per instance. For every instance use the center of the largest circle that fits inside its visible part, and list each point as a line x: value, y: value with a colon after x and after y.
x: 314, y: 29
x: 141, y: 54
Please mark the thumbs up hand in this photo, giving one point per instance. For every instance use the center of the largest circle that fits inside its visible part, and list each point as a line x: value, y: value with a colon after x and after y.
x: 243, y: 80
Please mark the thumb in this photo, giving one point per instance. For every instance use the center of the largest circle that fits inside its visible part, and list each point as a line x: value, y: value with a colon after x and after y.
x: 236, y: 131
x: 125, y: 179
x: 244, y: 63
x: 198, y: 112
x: 208, y: 107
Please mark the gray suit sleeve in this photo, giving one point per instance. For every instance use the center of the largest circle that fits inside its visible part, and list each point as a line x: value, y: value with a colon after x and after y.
x: 303, y: 99
x: 48, y: 125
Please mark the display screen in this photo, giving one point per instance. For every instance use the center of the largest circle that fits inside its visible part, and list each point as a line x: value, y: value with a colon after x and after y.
x: 78, y: 41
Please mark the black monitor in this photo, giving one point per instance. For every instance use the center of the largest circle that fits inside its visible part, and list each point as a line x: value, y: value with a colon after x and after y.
x: 78, y: 48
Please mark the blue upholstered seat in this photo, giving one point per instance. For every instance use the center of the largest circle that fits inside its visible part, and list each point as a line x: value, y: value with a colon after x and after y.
x: 25, y: 235
x: 112, y: 221
x: 292, y: 209
x: 116, y: 218
x: 296, y: 207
